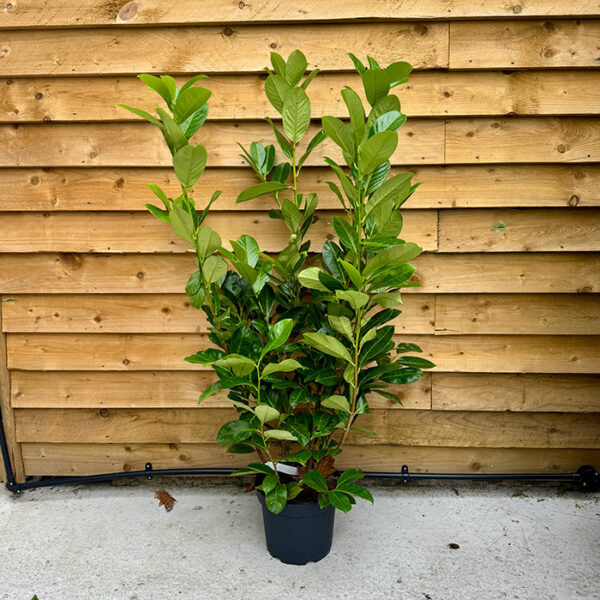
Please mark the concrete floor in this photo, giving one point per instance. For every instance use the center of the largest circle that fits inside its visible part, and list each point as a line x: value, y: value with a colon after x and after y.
x: 102, y: 542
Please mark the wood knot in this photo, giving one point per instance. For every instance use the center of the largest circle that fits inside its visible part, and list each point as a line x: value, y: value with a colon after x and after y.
x: 165, y: 309
x: 34, y: 180
x: 447, y: 94
x: 421, y: 29
x: 549, y: 52
x: 39, y: 96
x: 71, y: 261
x: 516, y: 9
x: 227, y: 31
x: 273, y: 45
x: 241, y: 5
x: 9, y: 7
x: 128, y: 11
x: 549, y: 26
x: 97, y: 319
x: 125, y: 361
x: 119, y: 183
x: 573, y: 200
x: 561, y: 148
x: 104, y: 413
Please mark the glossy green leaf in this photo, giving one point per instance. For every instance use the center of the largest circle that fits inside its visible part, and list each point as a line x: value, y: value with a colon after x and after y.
x: 310, y: 278
x: 340, y: 501
x: 350, y: 476
x: 195, y: 289
x: 188, y: 102
x: 207, y: 242
x: 276, y: 499
x: 336, y: 403
x: 269, y: 187
x: 182, y: 223
x: 238, y: 364
x: 296, y: 114
x: 356, y: 299
x: 278, y: 334
x: 276, y: 89
x: 415, y: 361
x: 280, y: 434
x: 233, y: 432
x: 159, y: 86
x: 342, y: 325
x: 340, y: 133
x: 376, y: 85
x: 296, y: 67
x: 285, y: 366
x: 345, y: 233
x: 328, y: 344
x: 189, y: 163
x: 315, y: 480
x: 396, y: 255
x: 353, y: 273
x: 266, y: 413
x: 141, y: 113
x: 377, y: 150
x: 355, y: 110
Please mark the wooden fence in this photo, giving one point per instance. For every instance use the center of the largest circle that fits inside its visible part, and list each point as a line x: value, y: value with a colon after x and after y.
x: 503, y: 132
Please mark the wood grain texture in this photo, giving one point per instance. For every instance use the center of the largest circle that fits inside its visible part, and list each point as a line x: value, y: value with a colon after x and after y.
x: 141, y: 144
x: 244, y: 48
x: 148, y: 352
x: 83, y: 459
x: 524, y: 44
x: 67, y: 273
x: 534, y: 393
x: 74, y: 13
x: 8, y: 416
x: 143, y: 313
x: 522, y: 140
x: 460, y: 186
x: 493, y: 314
x: 519, y: 230
x: 428, y: 94
x: 397, y: 427
x: 142, y: 232
x: 156, y: 389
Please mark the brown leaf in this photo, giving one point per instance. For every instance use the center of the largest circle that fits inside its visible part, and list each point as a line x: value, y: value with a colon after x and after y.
x: 325, y: 467
x: 165, y: 499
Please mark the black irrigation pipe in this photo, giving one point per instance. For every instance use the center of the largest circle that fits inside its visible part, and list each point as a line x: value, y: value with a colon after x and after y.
x: 586, y: 477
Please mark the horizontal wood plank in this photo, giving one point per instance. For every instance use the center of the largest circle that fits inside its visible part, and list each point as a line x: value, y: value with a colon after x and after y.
x: 559, y: 272
x: 519, y: 230
x: 148, y: 352
x: 532, y: 314
x: 142, y: 145
x: 73, y: 13
x: 156, y: 389
x: 428, y: 94
x: 529, y: 392
x: 524, y: 44
x: 461, y: 186
x: 244, y: 48
x: 92, y: 459
x: 143, y: 313
x: 142, y: 232
x: 400, y: 427
x: 522, y: 140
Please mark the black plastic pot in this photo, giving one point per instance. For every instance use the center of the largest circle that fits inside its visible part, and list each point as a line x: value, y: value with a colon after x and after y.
x: 300, y: 533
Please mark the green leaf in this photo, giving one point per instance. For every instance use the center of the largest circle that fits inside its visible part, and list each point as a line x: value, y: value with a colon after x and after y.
x: 173, y: 135
x: 189, y: 163
x: 340, y: 501
x: 357, y: 490
x: 284, y: 144
x: 190, y: 82
x: 141, y: 113
x: 310, y: 278
x: 350, y: 476
x: 405, y: 347
x: 336, y: 403
x: 296, y: 67
x: 285, y: 366
x: 278, y: 63
x: 356, y: 299
x: 268, y: 187
x: 397, y: 73
x: 294, y: 488
x: 205, y: 357
x: 266, y: 413
x: 376, y: 85
x: 396, y: 255
x: 182, y: 223
x: 330, y: 255
x: 238, y: 364
x: 395, y: 187
x: 196, y: 121
x: 296, y: 114
x: 345, y: 233
x: 160, y: 194
x: 356, y: 111
x: 377, y: 149
x: 291, y: 215
x: 207, y: 242
x: 157, y: 85
x: 328, y: 344
x: 269, y: 482
x: 378, y: 176
x: 233, y: 432
x: 388, y: 299
x: 188, y: 102
x: 276, y: 89
x: 353, y: 273
x: 240, y: 449
x: 301, y: 457
x: 389, y: 121
x: 158, y: 212
x: 276, y: 499
x: 246, y: 250
x: 278, y: 334
x: 415, y: 361
x: 315, y: 480
x: 340, y: 133
x: 254, y: 468
x: 280, y: 434
x: 247, y: 342
x: 194, y: 288
x: 357, y: 63
x: 309, y: 78
x: 342, y: 325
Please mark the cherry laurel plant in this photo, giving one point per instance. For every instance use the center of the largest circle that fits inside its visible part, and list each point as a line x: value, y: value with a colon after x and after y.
x: 300, y: 340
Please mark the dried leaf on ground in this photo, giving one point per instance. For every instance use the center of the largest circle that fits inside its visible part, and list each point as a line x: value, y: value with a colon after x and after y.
x: 165, y: 499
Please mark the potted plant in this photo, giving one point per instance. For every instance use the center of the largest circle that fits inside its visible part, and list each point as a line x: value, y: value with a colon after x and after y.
x: 300, y: 339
